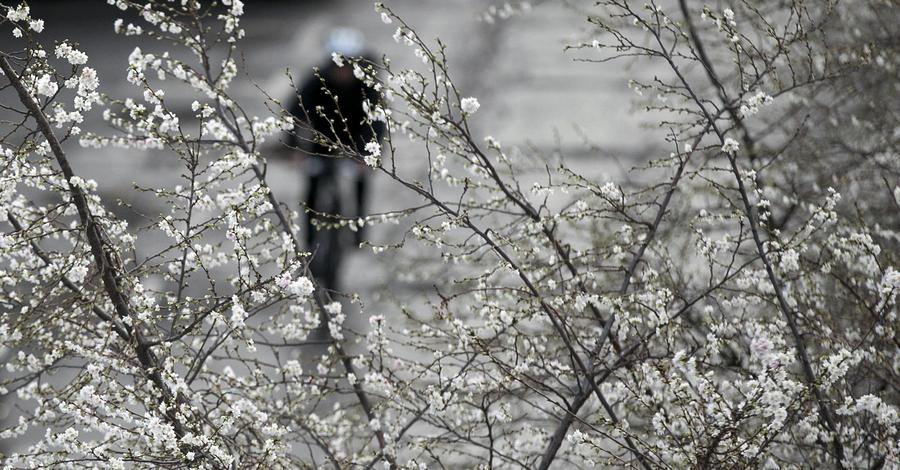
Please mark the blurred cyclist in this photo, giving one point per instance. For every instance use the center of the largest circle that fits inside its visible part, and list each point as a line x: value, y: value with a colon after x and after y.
x: 331, y: 102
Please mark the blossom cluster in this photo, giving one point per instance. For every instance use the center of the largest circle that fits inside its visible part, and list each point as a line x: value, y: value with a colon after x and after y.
x: 709, y: 312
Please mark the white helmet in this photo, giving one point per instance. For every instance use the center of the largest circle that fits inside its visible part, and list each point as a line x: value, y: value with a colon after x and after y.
x: 345, y: 41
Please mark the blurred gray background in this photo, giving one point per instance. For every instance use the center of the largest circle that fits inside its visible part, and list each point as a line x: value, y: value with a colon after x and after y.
x: 534, y: 95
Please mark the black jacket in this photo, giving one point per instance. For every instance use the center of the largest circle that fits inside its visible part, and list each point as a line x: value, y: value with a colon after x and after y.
x: 343, y: 120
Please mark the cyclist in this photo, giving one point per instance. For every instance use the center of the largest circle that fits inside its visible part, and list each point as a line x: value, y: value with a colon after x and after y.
x: 331, y: 103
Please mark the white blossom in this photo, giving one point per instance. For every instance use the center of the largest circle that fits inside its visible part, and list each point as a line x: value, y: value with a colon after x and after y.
x: 469, y: 105
x: 373, y: 154
x: 46, y: 85
x: 75, y: 57
x: 20, y: 13
x: 730, y: 146
x: 337, y: 58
